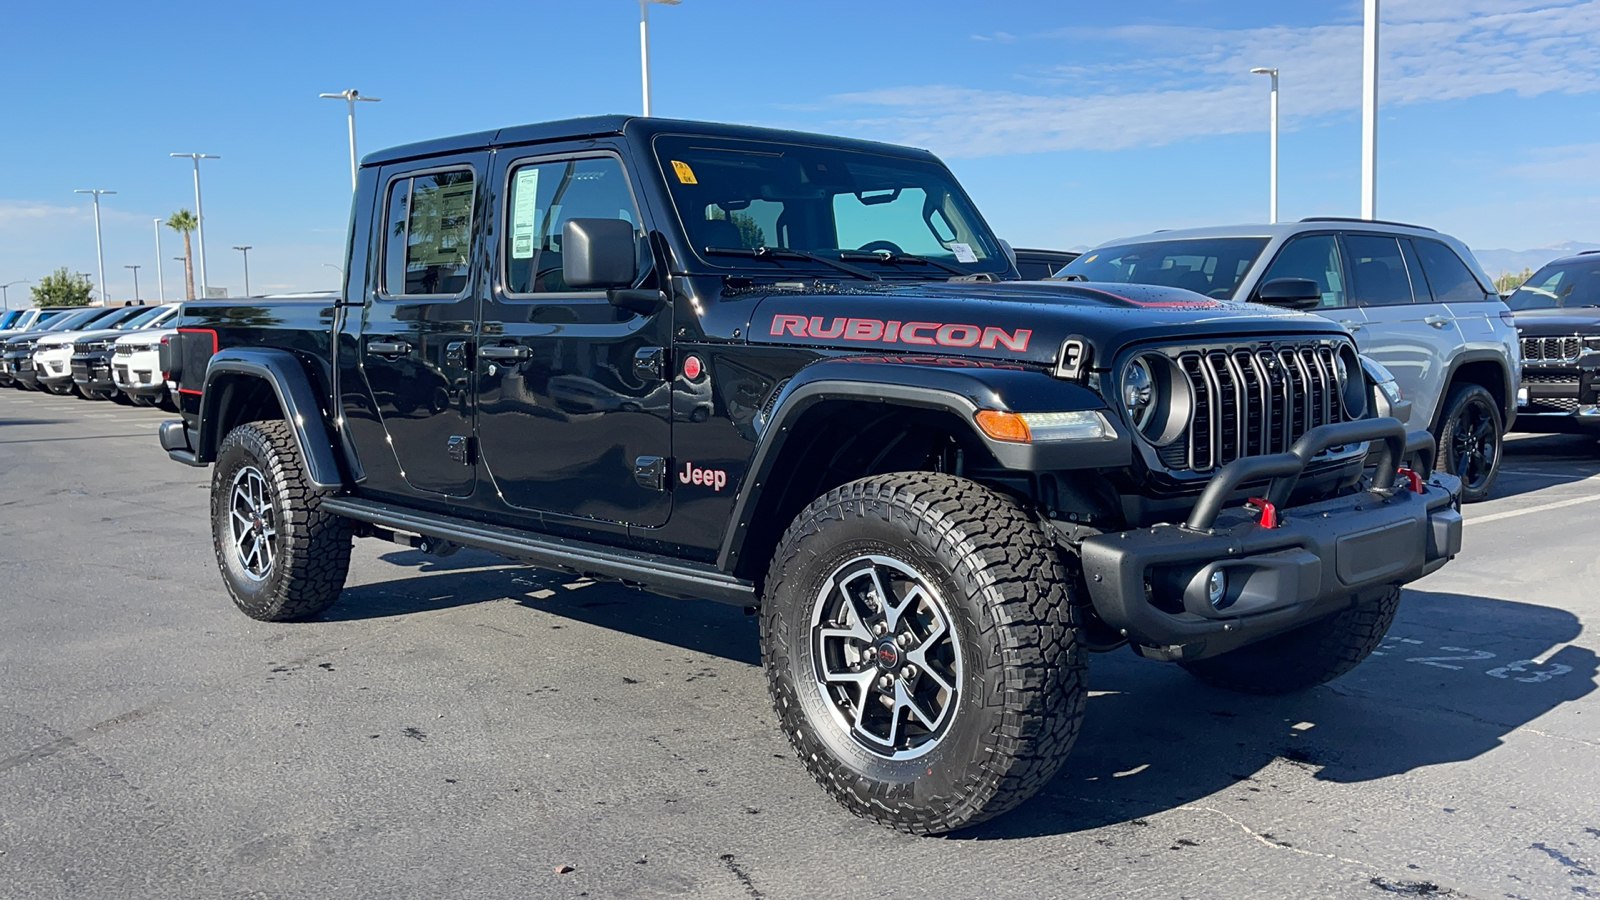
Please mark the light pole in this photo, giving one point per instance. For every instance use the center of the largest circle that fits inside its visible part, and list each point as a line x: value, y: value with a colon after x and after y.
x: 1369, y: 113
x: 5, y: 299
x: 99, y: 256
x: 644, y: 44
x: 351, y: 96
x: 1273, y: 166
x: 246, y: 252
x: 199, y: 214
x: 136, y: 300
x: 161, y: 277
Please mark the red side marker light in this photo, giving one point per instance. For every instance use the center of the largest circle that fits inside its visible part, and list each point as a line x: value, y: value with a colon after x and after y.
x: 1269, y: 511
x: 693, y: 368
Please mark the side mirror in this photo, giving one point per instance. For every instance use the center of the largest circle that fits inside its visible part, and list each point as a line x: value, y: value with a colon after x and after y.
x: 598, y: 254
x: 1291, y: 293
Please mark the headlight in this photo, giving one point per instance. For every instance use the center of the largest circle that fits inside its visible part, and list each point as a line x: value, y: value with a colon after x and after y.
x: 1592, y: 343
x: 1156, y: 397
x: 1138, y: 392
x: 1038, y: 427
x: 1352, y: 373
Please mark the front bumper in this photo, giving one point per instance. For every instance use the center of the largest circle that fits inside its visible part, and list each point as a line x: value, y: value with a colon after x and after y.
x: 138, y: 375
x: 1151, y: 584
x: 92, y: 372
x: 1558, y: 399
x: 20, y: 367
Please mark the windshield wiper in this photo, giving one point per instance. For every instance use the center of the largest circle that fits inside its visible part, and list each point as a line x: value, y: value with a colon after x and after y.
x: 886, y: 256
x: 785, y: 253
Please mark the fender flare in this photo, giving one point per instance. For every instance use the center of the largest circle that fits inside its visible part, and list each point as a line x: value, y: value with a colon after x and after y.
x: 1508, y: 413
x: 301, y: 410
x: 956, y: 386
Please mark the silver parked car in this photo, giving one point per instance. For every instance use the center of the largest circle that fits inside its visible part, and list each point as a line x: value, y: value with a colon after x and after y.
x: 1414, y: 300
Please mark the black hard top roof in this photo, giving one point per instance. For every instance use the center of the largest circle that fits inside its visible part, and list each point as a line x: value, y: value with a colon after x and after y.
x: 602, y: 126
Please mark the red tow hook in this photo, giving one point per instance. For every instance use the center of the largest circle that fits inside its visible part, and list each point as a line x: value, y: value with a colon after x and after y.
x: 1269, y: 511
x: 1415, y: 479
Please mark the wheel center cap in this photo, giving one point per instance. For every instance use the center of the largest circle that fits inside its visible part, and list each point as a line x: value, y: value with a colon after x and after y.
x: 888, y: 656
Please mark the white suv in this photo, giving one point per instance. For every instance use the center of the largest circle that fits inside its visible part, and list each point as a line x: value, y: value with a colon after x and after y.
x: 136, y: 366
x: 1414, y: 300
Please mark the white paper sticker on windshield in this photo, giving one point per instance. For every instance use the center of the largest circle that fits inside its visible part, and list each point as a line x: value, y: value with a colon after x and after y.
x: 524, y: 214
x: 963, y: 253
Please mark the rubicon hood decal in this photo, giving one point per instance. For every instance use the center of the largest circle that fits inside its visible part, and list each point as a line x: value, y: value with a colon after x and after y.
x: 922, y: 334
x: 1010, y: 321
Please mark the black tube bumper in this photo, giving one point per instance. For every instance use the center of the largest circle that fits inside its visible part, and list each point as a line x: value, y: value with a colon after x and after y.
x: 1151, y: 585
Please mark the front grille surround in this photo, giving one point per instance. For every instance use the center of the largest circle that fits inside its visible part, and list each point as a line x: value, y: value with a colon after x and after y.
x: 1252, y: 398
x: 1557, y: 349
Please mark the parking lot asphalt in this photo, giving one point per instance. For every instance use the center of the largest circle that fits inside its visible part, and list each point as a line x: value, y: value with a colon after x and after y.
x: 468, y: 727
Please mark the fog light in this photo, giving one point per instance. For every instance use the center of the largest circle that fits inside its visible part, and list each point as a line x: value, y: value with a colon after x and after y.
x: 1522, y: 396
x: 1217, y: 588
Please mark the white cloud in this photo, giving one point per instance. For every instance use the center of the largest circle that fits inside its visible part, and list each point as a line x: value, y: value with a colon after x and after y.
x: 1168, y: 83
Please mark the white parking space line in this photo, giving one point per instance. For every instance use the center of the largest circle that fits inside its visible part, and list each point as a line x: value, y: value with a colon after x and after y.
x: 1513, y: 513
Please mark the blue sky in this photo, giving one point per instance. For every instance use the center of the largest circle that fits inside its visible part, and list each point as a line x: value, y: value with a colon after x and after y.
x: 1071, y: 123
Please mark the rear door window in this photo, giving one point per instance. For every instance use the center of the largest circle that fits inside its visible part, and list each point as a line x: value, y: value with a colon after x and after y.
x: 1377, y: 271
x: 1448, y: 276
x: 428, y: 241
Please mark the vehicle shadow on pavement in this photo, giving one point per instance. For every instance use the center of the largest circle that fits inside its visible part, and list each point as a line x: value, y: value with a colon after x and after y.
x: 1158, y: 739
x: 705, y: 626
x: 1534, y: 462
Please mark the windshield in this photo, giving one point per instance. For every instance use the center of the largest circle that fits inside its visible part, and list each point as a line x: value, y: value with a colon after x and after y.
x: 71, y: 321
x: 1560, y: 285
x: 7, y: 319
x: 888, y: 215
x: 143, y: 319
x: 1209, y: 266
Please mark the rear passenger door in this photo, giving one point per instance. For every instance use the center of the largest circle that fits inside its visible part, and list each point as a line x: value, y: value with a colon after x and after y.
x: 414, y: 336
x: 1401, y: 325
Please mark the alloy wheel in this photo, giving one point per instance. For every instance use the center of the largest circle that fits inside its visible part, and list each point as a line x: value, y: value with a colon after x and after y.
x: 888, y: 660
x: 253, y: 523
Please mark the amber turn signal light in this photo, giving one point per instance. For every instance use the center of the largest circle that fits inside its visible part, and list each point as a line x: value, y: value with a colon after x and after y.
x: 1004, y: 426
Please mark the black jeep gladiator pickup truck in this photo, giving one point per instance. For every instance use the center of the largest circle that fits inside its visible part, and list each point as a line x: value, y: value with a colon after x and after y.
x: 800, y: 374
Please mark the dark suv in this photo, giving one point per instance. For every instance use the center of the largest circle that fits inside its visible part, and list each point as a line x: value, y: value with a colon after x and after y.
x: 1558, y: 321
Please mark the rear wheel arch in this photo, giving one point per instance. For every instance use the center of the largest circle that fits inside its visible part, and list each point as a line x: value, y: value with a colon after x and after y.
x: 256, y: 384
x: 1486, y: 370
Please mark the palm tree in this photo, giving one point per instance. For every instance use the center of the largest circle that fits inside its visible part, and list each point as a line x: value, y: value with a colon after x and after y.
x: 184, y: 222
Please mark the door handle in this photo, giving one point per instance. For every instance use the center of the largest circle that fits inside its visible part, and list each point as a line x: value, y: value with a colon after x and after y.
x: 388, y: 348
x: 1437, y: 321
x: 514, y: 352
x: 1351, y: 324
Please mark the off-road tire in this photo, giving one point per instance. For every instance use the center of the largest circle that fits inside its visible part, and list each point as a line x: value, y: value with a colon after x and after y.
x: 1467, y: 400
x: 1022, y: 688
x: 310, y: 549
x: 1308, y: 656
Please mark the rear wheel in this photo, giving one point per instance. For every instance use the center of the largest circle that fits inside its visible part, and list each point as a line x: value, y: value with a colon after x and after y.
x: 282, y: 558
x: 1307, y: 656
x: 1470, y: 435
x: 918, y: 637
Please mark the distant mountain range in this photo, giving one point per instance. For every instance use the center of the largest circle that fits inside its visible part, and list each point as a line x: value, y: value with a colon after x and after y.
x: 1498, y: 262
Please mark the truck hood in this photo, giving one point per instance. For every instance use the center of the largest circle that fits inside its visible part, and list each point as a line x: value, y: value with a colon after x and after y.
x: 57, y: 338
x: 1012, y: 321
x: 1553, y: 322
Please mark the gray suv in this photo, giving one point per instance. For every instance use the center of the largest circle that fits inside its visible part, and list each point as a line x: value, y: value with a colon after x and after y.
x: 1415, y: 301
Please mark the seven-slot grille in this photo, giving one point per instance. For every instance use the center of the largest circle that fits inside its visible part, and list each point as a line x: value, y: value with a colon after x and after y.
x: 90, y: 346
x: 1254, y: 400
x: 1551, y: 349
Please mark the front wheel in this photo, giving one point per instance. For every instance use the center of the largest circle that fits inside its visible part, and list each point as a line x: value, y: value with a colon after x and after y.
x: 921, y: 651
x: 282, y: 558
x: 1307, y: 656
x: 1470, y: 434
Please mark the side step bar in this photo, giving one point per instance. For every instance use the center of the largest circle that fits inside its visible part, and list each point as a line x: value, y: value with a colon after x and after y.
x: 655, y: 573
